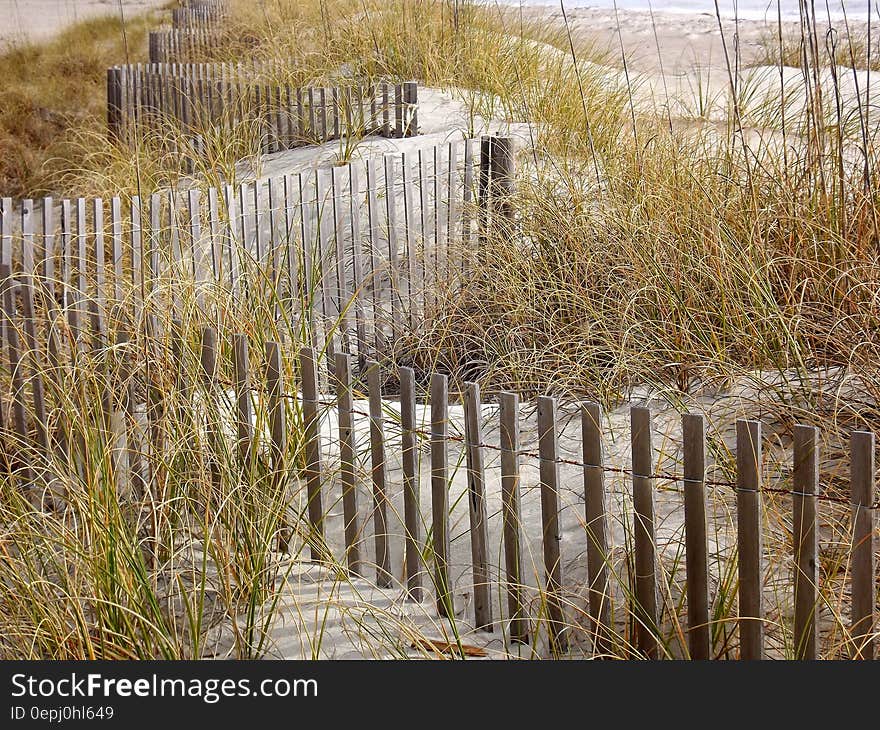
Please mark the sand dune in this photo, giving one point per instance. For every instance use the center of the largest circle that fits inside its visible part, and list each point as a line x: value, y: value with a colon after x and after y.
x: 29, y: 20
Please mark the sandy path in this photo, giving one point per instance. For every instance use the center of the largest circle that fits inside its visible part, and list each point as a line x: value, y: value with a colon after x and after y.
x: 34, y: 20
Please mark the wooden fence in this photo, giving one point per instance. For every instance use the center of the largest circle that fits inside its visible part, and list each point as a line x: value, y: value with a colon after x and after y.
x: 356, y: 250
x: 196, y: 31
x: 153, y: 101
x: 299, y: 237
x: 201, y: 15
x: 265, y: 402
x: 187, y: 45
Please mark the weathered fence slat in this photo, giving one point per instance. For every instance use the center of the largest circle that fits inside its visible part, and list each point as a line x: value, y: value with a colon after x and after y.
x: 510, y: 505
x: 244, y: 408
x: 696, y: 535
x: 347, y: 452
x: 440, y: 491
x: 312, y: 424
x: 278, y: 425
x: 596, y: 528
x: 749, y: 543
x: 378, y: 473
x: 41, y: 420
x: 863, y: 568
x: 476, y: 478
x: 548, y: 448
x: 412, y: 518
x: 208, y: 360
x: 645, y: 561
x: 805, y: 481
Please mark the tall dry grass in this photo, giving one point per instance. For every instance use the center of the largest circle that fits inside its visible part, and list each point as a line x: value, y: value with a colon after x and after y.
x: 659, y: 253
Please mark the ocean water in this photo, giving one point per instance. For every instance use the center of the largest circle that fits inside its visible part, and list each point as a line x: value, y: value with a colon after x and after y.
x: 746, y: 9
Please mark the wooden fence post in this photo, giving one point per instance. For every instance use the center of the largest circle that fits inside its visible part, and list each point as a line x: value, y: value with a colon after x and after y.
x: 749, y: 547
x: 646, y: 614
x: 862, y: 555
x: 510, y: 504
x: 596, y: 527
x: 412, y: 518
x: 805, y: 481
x: 347, y: 452
x: 410, y: 109
x: 696, y: 535
x: 312, y: 423
x: 502, y: 185
x: 549, y: 469
x: 477, y: 508
x: 440, y: 491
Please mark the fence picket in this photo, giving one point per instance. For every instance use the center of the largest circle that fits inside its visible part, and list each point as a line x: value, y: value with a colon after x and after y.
x: 596, y: 527
x: 863, y: 568
x: 440, y: 491
x: 645, y: 562
x: 476, y: 478
x: 312, y: 425
x: 33, y: 348
x: 510, y: 504
x: 277, y: 414
x: 347, y: 452
x: 696, y: 535
x: 749, y: 547
x: 244, y: 410
x: 411, y: 488
x: 805, y: 480
x: 378, y: 475
x: 549, y: 469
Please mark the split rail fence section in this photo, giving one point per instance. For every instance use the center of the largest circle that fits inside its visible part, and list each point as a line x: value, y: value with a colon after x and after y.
x: 155, y: 101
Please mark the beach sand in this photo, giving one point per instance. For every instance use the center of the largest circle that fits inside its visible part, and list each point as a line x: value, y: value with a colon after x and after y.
x: 665, y: 41
x: 34, y: 20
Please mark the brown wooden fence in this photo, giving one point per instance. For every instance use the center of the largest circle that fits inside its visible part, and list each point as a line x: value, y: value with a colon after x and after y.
x: 187, y: 45
x: 197, y: 31
x: 155, y: 101
x: 355, y: 250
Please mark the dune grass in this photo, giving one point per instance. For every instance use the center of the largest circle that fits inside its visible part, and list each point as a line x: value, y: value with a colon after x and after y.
x: 55, y: 89
x: 650, y: 253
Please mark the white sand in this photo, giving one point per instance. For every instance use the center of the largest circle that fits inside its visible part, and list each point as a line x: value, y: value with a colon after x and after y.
x: 35, y: 20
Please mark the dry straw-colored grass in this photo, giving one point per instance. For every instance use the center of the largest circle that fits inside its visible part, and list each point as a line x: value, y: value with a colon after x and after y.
x: 644, y: 253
